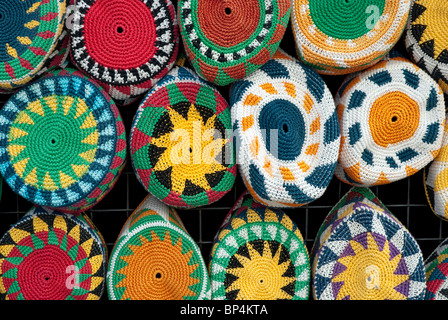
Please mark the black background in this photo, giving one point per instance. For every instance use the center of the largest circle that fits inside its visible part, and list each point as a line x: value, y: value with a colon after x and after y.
x: 406, y: 198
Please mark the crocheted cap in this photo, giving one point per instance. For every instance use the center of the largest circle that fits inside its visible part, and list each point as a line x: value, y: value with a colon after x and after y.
x: 31, y: 31
x: 285, y: 119
x: 365, y: 253
x: 227, y: 40
x: 126, y: 46
x: 436, y: 181
x: 426, y: 34
x: 340, y: 37
x: 392, y: 118
x: 171, y: 147
x: 436, y: 273
x: 155, y: 258
x: 63, y: 142
x: 49, y: 255
x: 259, y: 254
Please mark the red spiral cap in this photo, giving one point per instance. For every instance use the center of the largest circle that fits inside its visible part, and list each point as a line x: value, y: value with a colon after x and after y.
x: 126, y: 46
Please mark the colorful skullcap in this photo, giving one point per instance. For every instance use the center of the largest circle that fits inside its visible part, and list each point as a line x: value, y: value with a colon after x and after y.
x: 180, y: 145
x: 426, y: 38
x: 259, y: 254
x: 126, y: 46
x: 436, y: 181
x: 49, y: 255
x: 362, y: 252
x: 392, y: 118
x: 340, y: 37
x: 155, y: 258
x: 62, y: 142
x: 227, y: 40
x: 285, y: 120
x: 436, y: 266
x: 30, y: 32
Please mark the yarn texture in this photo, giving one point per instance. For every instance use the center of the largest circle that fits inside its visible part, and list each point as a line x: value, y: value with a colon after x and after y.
x: 259, y: 254
x: 362, y: 252
x: 228, y: 40
x: 436, y: 273
x: 155, y: 258
x: 436, y: 181
x: 48, y: 255
x: 392, y: 118
x: 126, y: 46
x: 340, y: 37
x: 62, y: 142
x: 31, y: 31
x: 287, y: 132
x: 179, y: 146
x: 426, y: 38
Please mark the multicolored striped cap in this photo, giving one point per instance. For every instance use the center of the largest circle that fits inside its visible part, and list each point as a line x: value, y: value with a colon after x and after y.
x: 62, y: 142
x: 155, y: 258
x: 259, y: 254
x: 392, y: 118
x: 48, y: 255
x: 425, y: 39
x: 362, y: 252
x: 287, y: 132
x: 436, y: 266
x: 180, y: 142
x: 31, y: 32
x: 227, y: 40
x: 340, y: 37
x: 126, y: 46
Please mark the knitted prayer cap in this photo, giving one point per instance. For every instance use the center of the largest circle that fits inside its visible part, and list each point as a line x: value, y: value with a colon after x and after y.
x: 285, y: 121
x: 126, y: 46
x: 155, y: 258
x: 48, y: 255
x: 436, y: 266
x: 340, y: 37
x: 259, y: 254
x: 362, y: 252
x: 31, y: 31
x: 436, y: 181
x: 391, y: 118
x: 227, y: 40
x: 62, y: 142
x: 171, y: 148
x: 426, y: 38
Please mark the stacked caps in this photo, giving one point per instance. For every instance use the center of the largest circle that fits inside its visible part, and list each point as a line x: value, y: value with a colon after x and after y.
x: 48, y: 255
x: 436, y: 266
x: 392, y: 118
x: 227, y: 40
x: 62, y: 142
x: 362, y: 252
x: 154, y: 258
x: 287, y: 132
x: 426, y: 34
x: 180, y: 144
x: 126, y: 46
x: 259, y: 254
x: 33, y: 40
x: 340, y: 37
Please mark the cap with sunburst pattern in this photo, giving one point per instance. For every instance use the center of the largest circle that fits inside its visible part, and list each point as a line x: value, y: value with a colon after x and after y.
x: 48, y: 255
x: 155, y: 258
x: 427, y: 38
x: 62, y: 142
x: 363, y: 252
x: 180, y: 147
x: 31, y: 32
x: 259, y: 254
